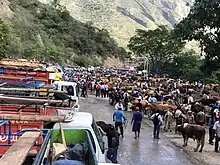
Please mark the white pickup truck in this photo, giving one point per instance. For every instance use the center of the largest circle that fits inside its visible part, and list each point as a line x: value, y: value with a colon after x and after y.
x: 82, y: 128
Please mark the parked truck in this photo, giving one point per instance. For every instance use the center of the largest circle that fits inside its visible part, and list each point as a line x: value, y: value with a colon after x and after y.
x: 58, y: 143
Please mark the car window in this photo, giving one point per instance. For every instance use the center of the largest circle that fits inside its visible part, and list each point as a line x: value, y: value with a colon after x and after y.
x: 98, y: 135
x: 69, y: 89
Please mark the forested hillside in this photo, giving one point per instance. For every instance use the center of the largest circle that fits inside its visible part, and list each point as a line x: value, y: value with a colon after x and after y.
x: 48, y: 32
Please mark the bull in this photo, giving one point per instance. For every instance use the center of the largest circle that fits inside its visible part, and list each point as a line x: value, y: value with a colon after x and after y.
x: 192, y: 131
x: 105, y: 127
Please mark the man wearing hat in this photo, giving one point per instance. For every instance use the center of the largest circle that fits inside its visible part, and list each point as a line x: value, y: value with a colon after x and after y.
x: 119, y: 105
x: 118, y: 118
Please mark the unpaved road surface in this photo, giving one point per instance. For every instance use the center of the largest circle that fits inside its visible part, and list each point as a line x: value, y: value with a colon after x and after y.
x: 142, y: 151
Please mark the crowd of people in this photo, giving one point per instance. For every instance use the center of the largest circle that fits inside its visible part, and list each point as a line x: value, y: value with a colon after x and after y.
x: 168, y: 102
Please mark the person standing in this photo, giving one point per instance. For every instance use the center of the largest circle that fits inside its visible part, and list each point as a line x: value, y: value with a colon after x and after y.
x: 118, y: 118
x: 157, y: 121
x: 119, y: 105
x: 126, y: 101
x: 102, y: 89
x: 190, y: 99
x: 168, y: 121
x: 139, y: 104
x: 200, y: 118
x: 190, y: 117
x: 106, y: 89
x: 92, y: 86
x: 98, y: 88
x: 217, y: 131
x: 211, y: 123
x: 113, y: 143
x: 178, y: 118
x: 136, y: 120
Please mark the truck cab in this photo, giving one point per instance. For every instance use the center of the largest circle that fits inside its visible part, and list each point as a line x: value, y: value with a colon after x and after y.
x: 70, y: 88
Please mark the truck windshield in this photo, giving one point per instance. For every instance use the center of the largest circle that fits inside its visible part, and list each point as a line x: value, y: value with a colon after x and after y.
x: 69, y: 89
x: 98, y: 135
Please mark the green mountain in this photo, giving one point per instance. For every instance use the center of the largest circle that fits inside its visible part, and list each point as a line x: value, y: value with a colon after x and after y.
x: 33, y: 30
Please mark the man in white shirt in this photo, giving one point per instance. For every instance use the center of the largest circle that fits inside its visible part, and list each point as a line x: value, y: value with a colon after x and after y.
x: 102, y: 90
x: 205, y: 96
x: 106, y: 90
x: 217, y: 132
x: 177, y: 91
x: 190, y: 99
x: 119, y: 105
x: 92, y: 85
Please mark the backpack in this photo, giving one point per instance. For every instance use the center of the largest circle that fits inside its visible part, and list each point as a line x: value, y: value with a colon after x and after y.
x: 156, y: 120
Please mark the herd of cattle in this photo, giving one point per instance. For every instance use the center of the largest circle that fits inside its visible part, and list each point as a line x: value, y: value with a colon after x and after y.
x: 196, y: 132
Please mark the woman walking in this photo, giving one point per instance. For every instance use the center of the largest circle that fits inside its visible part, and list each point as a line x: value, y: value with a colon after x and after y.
x: 136, y: 120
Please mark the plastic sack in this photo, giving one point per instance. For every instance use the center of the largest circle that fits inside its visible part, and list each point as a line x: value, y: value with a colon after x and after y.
x: 78, y: 152
x: 67, y: 162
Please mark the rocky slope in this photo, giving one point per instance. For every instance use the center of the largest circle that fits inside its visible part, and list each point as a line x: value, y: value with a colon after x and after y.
x: 122, y: 17
x: 5, y: 11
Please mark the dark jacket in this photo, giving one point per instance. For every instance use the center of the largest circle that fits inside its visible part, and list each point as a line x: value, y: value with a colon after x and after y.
x: 113, y: 139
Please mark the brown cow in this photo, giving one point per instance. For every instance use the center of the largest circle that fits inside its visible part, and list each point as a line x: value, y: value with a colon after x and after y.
x: 134, y: 103
x: 164, y: 106
x: 192, y: 131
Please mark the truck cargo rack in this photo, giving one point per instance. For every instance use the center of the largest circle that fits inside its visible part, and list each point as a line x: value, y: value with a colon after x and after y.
x: 45, y: 91
x: 29, y: 101
x: 28, y: 141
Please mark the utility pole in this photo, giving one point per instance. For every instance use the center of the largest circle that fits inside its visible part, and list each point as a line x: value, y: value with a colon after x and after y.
x: 145, y: 67
x: 148, y: 65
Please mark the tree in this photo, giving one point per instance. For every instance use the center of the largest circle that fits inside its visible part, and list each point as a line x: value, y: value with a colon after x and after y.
x: 160, y: 44
x: 48, y: 32
x: 203, y: 24
x: 186, y: 66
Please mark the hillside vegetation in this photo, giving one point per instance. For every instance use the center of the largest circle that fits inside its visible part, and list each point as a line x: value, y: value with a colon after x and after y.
x: 48, y: 32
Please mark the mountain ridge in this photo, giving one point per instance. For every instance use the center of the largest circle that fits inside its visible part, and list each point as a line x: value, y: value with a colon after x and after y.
x: 122, y: 17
